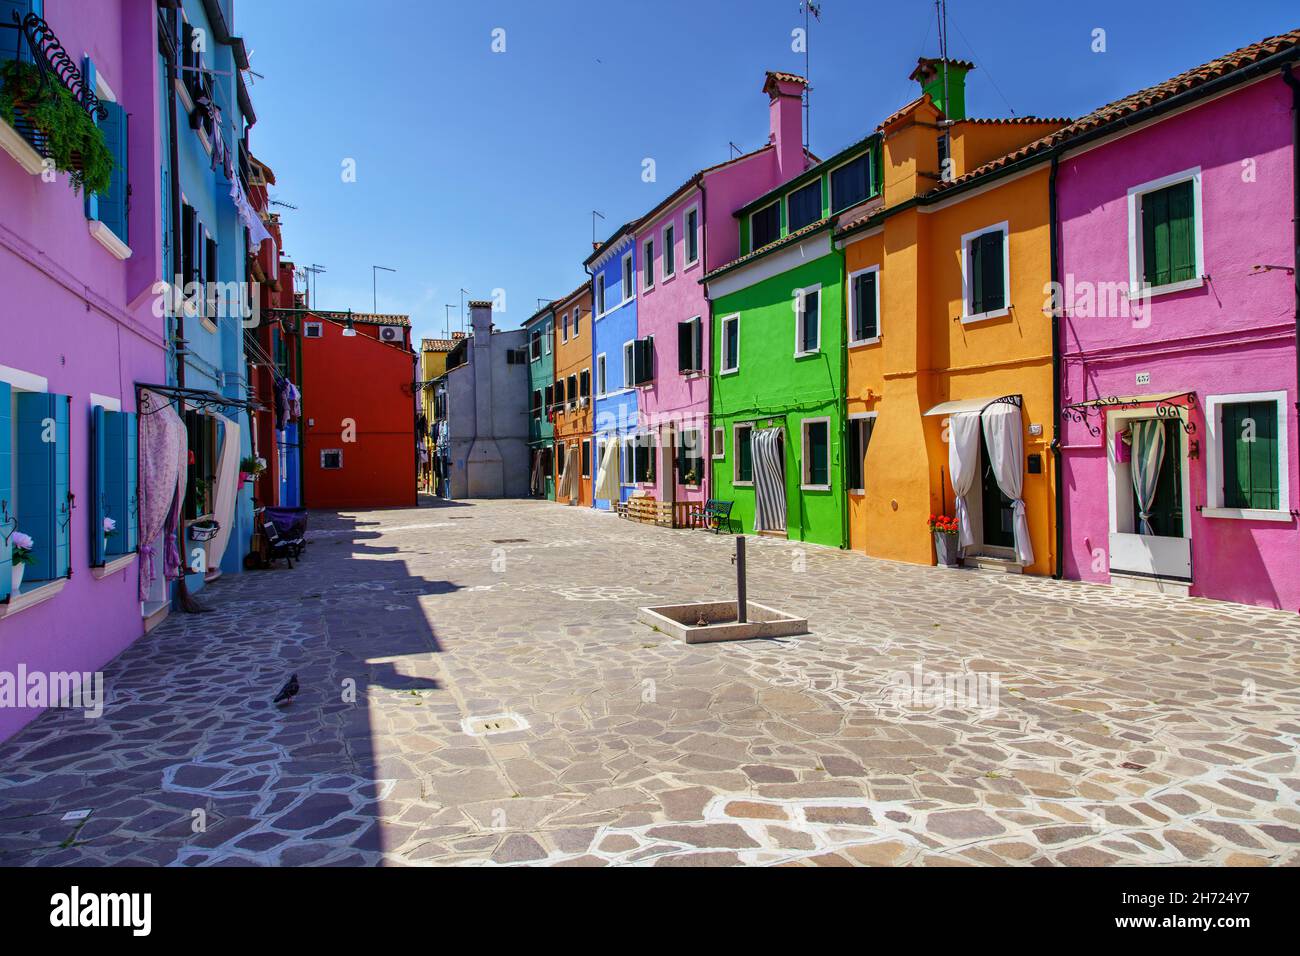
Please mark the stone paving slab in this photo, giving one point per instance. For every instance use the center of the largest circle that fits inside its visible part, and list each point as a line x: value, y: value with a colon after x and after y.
x: 931, y: 717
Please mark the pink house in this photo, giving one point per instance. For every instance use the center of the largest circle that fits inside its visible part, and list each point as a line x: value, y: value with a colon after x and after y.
x: 688, y: 234
x: 1177, y: 255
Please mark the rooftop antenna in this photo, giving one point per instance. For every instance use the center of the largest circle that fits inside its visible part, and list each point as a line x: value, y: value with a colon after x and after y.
x: 446, y: 317
x: 594, y: 214
x: 313, y: 271
x: 733, y: 148
x: 941, y: 11
x: 815, y: 10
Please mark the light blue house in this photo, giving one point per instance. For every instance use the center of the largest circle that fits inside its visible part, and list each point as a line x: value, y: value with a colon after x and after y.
x: 207, y: 260
x: 620, y: 361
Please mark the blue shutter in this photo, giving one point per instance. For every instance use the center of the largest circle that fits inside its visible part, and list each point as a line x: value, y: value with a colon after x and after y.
x: 112, y: 205
x: 115, y: 479
x: 44, y: 510
x: 88, y: 76
x: 131, y: 530
x: 98, y: 483
x: 6, y: 494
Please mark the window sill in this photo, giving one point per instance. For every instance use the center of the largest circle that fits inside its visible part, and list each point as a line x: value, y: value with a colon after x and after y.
x: 864, y: 342
x: 814, y: 487
x: 728, y: 371
x: 857, y: 491
x: 816, y: 351
x: 108, y: 239
x: 1248, y: 514
x: 984, y: 316
x: 12, y: 142
x: 112, y: 567
x: 1150, y: 292
x: 742, y: 484
x: 25, y: 599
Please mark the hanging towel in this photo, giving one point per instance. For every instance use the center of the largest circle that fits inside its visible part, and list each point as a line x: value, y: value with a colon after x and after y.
x: 227, y: 490
x: 769, y: 480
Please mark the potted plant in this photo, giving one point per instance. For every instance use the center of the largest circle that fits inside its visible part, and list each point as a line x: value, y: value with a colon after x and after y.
x: 110, y: 529
x: 68, y: 134
x: 944, y: 529
x: 690, y: 478
x: 250, y: 469
x: 200, y: 496
x: 21, y: 550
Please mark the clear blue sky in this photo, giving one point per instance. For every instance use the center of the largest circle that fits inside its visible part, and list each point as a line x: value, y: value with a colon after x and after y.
x: 479, y: 170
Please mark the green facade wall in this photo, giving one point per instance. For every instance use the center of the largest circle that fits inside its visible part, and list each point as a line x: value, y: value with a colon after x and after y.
x: 772, y: 384
x: 541, y: 374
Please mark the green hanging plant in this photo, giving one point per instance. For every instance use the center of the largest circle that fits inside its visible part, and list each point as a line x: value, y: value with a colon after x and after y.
x: 72, y: 139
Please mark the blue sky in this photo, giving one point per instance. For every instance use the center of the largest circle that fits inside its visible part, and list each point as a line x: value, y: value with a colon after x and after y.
x: 479, y: 170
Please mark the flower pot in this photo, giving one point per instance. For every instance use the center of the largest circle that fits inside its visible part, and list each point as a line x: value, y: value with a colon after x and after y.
x: 945, y: 549
x: 17, y: 578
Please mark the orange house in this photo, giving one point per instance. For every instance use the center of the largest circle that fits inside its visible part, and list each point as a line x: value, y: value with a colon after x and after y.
x: 949, y: 378
x: 572, y: 418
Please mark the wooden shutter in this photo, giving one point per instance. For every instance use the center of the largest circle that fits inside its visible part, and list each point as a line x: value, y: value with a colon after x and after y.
x: 1250, y: 468
x: 99, y: 507
x: 113, y: 204
x: 6, y: 490
x: 1169, y: 235
x: 731, y: 345
x: 1182, y: 233
x: 994, y: 294
x: 685, y: 345
x: 115, y: 488
x: 130, y: 530
x: 811, y: 337
x: 855, y: 453
x: 642, y: 361
x: 865, y: 324
x: 744, y: 454
x: 44, y: 509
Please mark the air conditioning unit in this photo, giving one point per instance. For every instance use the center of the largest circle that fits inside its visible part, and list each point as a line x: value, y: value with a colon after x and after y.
x: 390, y: 333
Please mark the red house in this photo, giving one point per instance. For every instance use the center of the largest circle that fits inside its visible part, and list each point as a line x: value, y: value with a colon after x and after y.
x: 358, y: 410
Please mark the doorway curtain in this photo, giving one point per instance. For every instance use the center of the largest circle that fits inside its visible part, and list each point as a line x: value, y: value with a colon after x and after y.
x: 1005, y: 439
x: 769, y: 480
x: 163, y: 453
x: 227, y: 491
x: 607, y: 486
x: 1148, y: 440
x: 963, y: 465
x: 571, y: 475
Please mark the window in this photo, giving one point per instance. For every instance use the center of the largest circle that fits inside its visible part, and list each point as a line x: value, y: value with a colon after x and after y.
x: 584, y: 383
x: 546, y: 339
x: 113, y: 475
x: 851, y: 183
x: 559, y: 392
x: 629, y: 359
x: 572, y: 388
x: 559, y: 458
x: 808, y: 321
x: 564, y: 328
x: 730, y: 343
x: 742, y: 459
x: 690, y: 457
x: 586, y: 458
x: 35, y: 479
x: 313, y: 330
x: 109, y: 207
x: 210, y: 277
x: 670, y: 252
x: 629, y: 278
x: 984, y: 273
x: 201, y: 479
x: 537, y: 404
x: 690, y: 345
x: 535, y: 345
x: 643, y: 449
x: 638, y: 362
x: 331, y: 458
x: 1165, y: 241
x: 600, y: 374
x: 859, y: 438
x: 864, y: 306
x: 719, y: 442
x: 550, y: 398
x: 577, y: 319
x: 804, y: 206
x: 765, y: 226
x: 692, y: 237
x: 1247, y: 475
x: 816, y: 454
x: 600, y: 294
x: 517, y: 357
x: 648, y: 263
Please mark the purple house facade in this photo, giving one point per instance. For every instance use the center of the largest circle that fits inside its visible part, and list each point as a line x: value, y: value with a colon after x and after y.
x: 79, y: 328
x: 690, y: 233
x: 1178, y: 246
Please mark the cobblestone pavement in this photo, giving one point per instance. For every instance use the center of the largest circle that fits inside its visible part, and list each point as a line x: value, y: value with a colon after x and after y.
x: 1072, y: 724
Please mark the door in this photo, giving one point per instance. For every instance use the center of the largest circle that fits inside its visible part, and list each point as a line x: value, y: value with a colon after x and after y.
x: 996, y: 507
x: 1166, y: 513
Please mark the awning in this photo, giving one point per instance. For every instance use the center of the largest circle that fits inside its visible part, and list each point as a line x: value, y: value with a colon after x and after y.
x: 1130, y: 401
x: 960, y: 405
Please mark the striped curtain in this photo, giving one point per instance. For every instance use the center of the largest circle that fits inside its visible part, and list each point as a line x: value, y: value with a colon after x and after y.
x: 1148, y: 437
x: 769, y: 481
x: 537, y: 482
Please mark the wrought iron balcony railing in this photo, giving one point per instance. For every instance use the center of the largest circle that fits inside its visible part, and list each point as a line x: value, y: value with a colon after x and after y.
x: 36, y: 43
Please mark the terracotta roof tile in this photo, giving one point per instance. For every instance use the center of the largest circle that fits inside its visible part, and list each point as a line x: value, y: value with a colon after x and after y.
x: 774, y: 76
x: 375, y: 318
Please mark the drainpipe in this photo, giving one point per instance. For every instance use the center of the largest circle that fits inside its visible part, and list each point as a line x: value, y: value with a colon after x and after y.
x: 595, y: 465
x: 1055, y: 244
x: 708, y: 309
x: 1288, y: 74
x: 843, y: 407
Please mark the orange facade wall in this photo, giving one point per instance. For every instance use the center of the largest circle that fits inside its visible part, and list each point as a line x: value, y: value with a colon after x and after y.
x: 572, y: 357
x: 357, y: 398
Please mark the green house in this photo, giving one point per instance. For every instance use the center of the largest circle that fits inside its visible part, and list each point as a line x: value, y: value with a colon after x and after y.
x: 541, y: 391
x: 779, y: 360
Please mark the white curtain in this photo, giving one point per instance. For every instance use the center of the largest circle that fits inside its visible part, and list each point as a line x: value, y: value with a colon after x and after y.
x: 571, y: 473
x: 227, y: 490
x: 1148, y: 437
x: 963, y: 465
x: 1005, y: 439
x: 607, y: 485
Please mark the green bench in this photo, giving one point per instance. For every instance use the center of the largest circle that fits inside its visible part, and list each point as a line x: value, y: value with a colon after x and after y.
x: 715, y: 513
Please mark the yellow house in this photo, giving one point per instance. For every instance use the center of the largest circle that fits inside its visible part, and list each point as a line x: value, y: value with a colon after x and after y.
x: 433, y: 363
x: 949, y: 382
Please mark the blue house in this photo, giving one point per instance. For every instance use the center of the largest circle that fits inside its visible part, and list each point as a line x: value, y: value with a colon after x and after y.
x: 205, y: 257
x: 620, y: 362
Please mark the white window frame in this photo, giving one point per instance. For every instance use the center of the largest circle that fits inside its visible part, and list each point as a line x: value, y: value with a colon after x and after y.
x: 700, y: 365
x: 686, y: 231
x: 331, y: 451
x: 853, y: 419
x: 966, y: 315
x: 722, y: 342
x: 1214, y: 507
x: 564, y: 328
x: 853, y: 310
x: 735, y: 455
x: 629, y: 278
x: 598, y: 291
x: 667, y: 251
x: 318, y: 326
x: 629, y: 359
x: 800, y: 318
x: 775, y: 202
x: 804, y: 483
x: 1137, y: 288
x: 546, y: 339
x: 648, y: 266
x: 719, y: 449
x: 600, y: 383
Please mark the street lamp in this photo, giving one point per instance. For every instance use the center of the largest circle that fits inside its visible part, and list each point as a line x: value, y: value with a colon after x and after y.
x: 374, y: 286
x: 348, y: 330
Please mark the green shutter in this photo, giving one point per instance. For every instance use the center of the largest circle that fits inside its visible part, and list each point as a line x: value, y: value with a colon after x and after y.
x: 99, y: 479
x: 864, y: 307
x: 116, y: 495
x: 112, y: 205
x: 6, y: 493
x: 855, y: 454
x: 976, y: 277
x: 995, y: 295
x: 44, y: 509
x: 1169, y: 234
x: 744, y: 459
x: 1250, y: 468
x: 1182, y: 233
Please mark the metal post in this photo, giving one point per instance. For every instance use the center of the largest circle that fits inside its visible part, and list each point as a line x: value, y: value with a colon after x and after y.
x: 741, y: 604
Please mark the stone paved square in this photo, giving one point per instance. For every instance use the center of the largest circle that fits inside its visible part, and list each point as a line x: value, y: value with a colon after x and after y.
x: 1096, y: 727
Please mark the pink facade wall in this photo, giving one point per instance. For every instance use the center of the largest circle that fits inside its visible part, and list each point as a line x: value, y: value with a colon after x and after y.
x: 672, y: 397
x: 1234, y: 334
x: 83, y: 319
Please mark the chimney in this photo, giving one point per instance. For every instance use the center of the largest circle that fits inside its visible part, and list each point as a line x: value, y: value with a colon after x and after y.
x: 480, y: 317
x: 785, y: 114
x: 930, y: 73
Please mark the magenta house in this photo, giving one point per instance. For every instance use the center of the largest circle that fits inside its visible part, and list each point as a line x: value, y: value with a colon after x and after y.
x: 78, y: 330
x: 684, y: 237
x: 1177, y: 237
